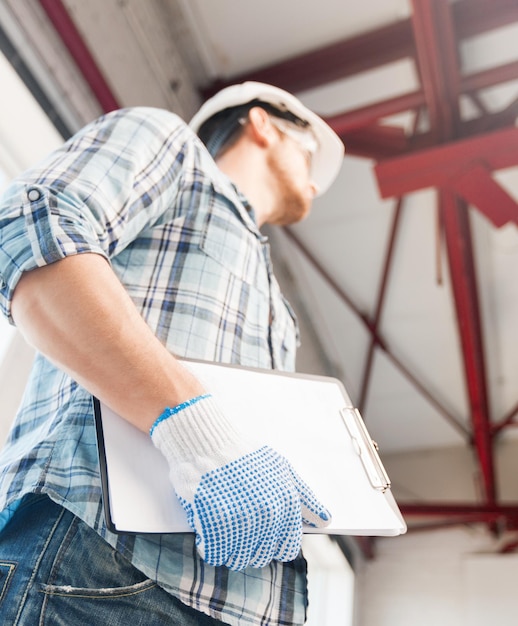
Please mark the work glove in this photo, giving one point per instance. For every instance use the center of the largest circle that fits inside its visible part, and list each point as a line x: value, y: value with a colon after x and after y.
x: 245, y: 502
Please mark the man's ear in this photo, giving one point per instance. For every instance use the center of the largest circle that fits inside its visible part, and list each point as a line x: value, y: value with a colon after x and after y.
x: 260, y: 126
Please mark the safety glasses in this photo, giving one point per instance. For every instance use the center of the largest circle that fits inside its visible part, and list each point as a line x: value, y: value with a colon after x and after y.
x: 303, y: 135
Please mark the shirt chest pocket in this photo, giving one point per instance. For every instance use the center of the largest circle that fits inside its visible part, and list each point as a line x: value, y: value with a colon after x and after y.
x: 228, y: 242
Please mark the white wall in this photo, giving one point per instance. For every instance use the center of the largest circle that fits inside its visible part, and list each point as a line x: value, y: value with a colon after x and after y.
x: 331, y: 584
x: 448, y: 577
x: 489, y: 585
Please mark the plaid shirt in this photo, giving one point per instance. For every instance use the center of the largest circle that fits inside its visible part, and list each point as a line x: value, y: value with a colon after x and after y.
x: 137, y: 187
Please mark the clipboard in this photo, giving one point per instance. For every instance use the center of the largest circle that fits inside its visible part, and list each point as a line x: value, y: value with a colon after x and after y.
x: 308, y: 419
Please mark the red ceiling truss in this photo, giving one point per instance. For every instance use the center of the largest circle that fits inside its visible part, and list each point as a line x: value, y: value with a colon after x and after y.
x: 454, y: 155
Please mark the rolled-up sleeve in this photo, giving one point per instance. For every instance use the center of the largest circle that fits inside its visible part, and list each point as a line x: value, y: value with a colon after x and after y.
x: 96, y: 194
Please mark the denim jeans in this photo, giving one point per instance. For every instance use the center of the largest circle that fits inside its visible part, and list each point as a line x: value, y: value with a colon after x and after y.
x: 56, y: 571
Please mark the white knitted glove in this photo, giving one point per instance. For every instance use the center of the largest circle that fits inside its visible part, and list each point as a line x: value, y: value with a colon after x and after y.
x: 245, y: 502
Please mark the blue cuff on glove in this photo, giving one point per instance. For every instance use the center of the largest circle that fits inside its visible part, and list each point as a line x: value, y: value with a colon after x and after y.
x: 168, y: 412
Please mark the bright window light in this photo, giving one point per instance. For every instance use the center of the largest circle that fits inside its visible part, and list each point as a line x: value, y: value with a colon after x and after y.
x: 26, y: 135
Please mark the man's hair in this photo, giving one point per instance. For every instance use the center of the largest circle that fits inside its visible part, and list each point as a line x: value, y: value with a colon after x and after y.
x: 222, y: 130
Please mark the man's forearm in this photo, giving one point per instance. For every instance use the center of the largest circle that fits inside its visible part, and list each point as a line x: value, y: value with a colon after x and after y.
x: 77, y: 313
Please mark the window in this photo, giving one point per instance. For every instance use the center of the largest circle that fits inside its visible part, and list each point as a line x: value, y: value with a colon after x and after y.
x: 330, y: 583
x: 26, y: 135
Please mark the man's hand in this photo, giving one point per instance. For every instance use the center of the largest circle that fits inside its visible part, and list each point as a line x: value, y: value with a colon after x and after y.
x: 245, y: 502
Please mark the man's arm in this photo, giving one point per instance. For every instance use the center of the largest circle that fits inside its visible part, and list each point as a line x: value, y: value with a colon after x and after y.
x: 77, y: 314
x: 245, y: 502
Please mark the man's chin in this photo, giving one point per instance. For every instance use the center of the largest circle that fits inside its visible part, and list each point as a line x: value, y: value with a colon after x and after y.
x: 293, y: 215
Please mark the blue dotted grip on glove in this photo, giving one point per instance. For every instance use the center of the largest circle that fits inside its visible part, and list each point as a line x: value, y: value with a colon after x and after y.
x: 251, y: 511
x: 245, y: 502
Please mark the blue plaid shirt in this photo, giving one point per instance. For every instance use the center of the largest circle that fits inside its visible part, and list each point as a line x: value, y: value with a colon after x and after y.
x: 137, y: 187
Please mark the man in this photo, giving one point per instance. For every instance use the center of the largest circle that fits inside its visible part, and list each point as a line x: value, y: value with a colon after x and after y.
x: 126, y: 246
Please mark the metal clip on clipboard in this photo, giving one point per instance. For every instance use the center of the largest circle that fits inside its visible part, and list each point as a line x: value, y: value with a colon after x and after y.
x: 366, y: 448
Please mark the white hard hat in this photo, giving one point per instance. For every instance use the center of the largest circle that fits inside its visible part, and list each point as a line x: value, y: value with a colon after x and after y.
x: 328, y: 158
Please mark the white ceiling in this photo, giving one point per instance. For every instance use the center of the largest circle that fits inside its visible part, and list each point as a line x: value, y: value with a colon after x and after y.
x: 234, y: 37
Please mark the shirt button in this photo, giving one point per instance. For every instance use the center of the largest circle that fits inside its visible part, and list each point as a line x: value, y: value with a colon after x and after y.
x: 34, y: 195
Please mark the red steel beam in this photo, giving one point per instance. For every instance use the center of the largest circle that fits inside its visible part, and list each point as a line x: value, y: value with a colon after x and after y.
x: 507, y: 420
x: 509, y: 547
x: 442, y: 165
x: 344, y: 123
x: 372, y: 49
x: 466, y: 520
x: 369, y: 326
x: 457, y: 236
x: 480, y: 512
x: 338, y: 60
x: 377, y: 142
x: 382, y: 292
x: 488, y: 122
x: 348, y: 123
x: 488, y: 78
x: 437, y: 61
x: 366, y: 545
x: 387, y: 265
x: 477, y: 187
x: 436, y: 166
x: 73, y: 40
x: 437, y: 57
x: 472, y: 17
